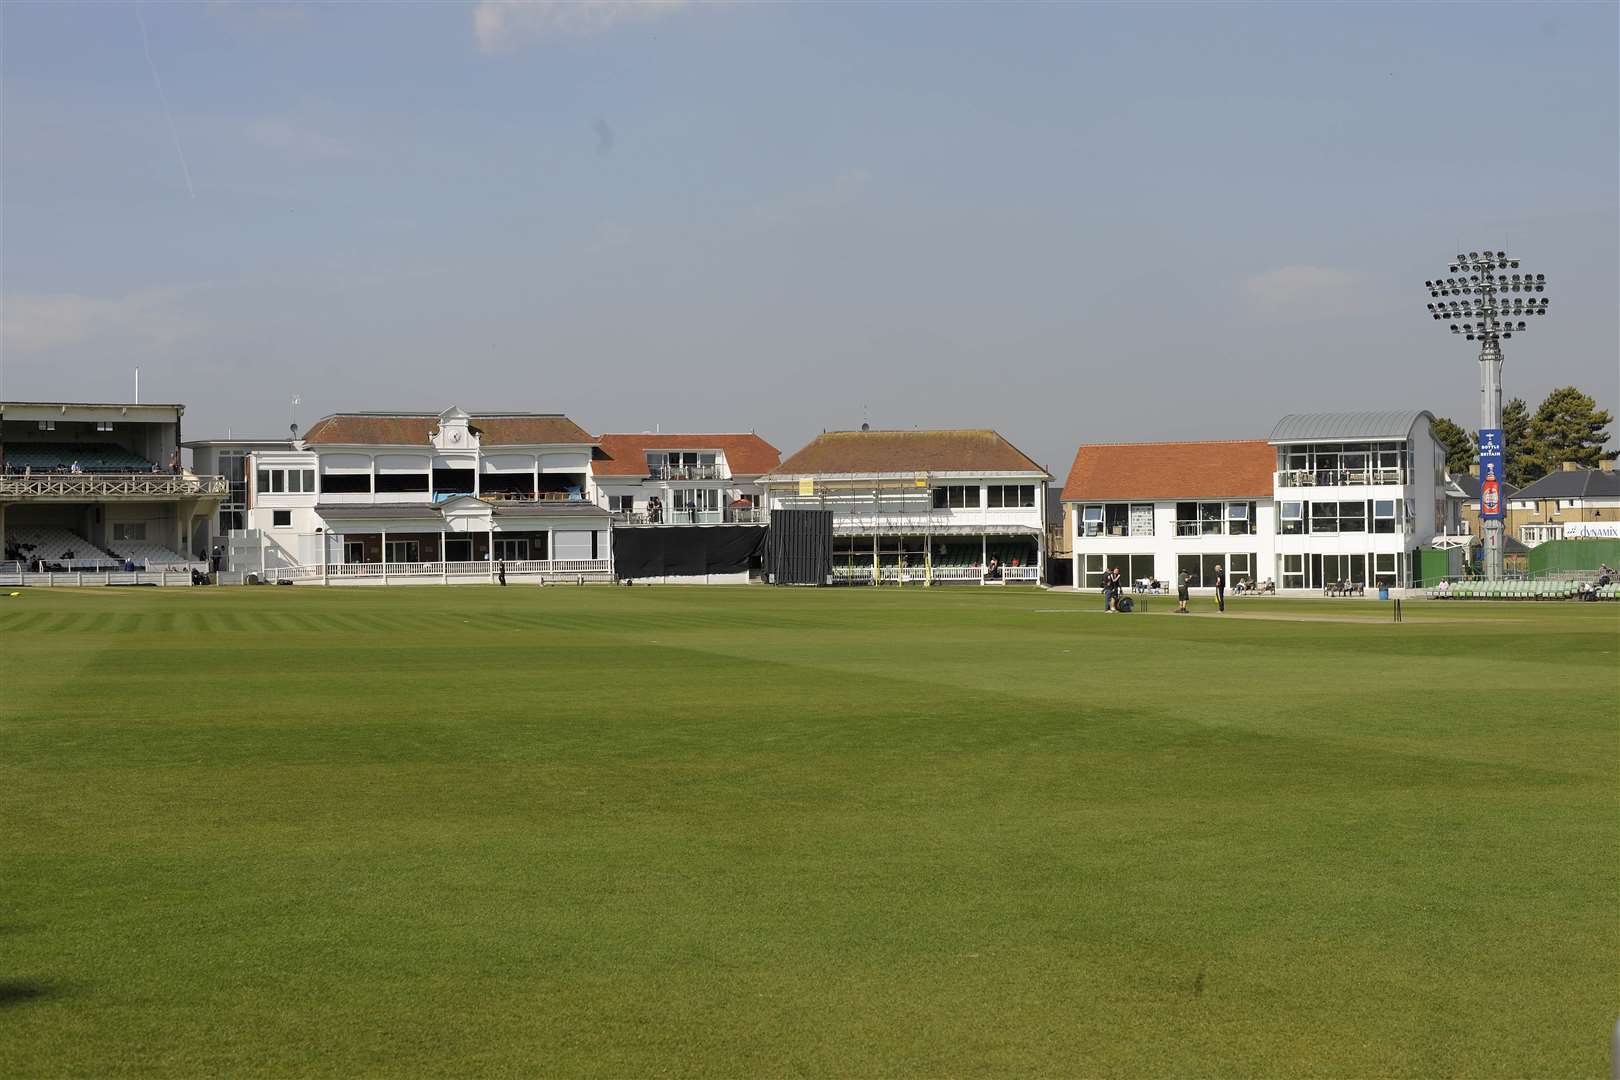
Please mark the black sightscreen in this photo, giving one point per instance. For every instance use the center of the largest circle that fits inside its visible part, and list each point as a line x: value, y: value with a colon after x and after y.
x: 685, y: 551
x: 799, y: 550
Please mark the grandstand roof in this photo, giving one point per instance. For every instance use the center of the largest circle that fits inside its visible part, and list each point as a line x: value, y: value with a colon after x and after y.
x: 1318, y: 427
x: 872, y: 453
x: 626, y: 455
x: 1236, y: 468
x: 415, y: 429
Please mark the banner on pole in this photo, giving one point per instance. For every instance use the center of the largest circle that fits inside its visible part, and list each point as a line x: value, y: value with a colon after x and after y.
x: 1491, y: 505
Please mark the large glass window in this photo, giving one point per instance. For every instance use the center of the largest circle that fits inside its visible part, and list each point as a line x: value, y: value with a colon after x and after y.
x: 1293, y: 572
x: 1189, y: 564
x: 1009, y: 495
x: 957, y: 497
x: 1211, y: 516
x: 1240, y: 518
x: 1186, y: 519
x: 1141, y: 519
x: 1293, y: 518
x: 1091, y: 520
x: 1353, y: 517
x: 1384, y: 515
x: 345, y: 483
x: 1324, y: 517
x: 1385, y: 570
x: 1240, y: 567
x: 1115, y: 519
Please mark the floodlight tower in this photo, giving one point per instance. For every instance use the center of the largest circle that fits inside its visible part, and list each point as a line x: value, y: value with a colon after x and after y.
x: 1488, y: 313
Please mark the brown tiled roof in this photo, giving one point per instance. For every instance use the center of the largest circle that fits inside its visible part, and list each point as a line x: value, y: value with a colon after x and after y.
x: 1239, y: 468
x: 414, y: 429
x: 867, y: 452
x: 626, y: 455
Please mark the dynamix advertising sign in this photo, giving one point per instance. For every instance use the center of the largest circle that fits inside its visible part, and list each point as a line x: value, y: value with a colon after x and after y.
x: 1491, y: 505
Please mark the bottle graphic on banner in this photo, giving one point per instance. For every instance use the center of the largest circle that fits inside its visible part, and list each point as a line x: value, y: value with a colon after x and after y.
x: 1490, y: 494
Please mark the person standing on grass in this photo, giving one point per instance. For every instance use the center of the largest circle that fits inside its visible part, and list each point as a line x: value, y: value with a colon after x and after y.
x: 501, y: 572
x: 1181, y: 593
x: 1220, y: 588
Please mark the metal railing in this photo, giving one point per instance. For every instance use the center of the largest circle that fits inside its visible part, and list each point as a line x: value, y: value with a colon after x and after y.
x: 686, y: 472
x: 856, y: 573
x: 1338, y: 477
x: 110, y: 485
x: 480, y: 568
x: 728, y: 516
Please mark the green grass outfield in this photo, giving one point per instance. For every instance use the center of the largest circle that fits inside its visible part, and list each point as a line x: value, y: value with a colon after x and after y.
x: 755, y: 832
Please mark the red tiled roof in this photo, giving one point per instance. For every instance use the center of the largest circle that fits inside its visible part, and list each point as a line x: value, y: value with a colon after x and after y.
x: 874, y: 452
x: 413, y: 429
x: 626, y: 455
x: 1238, y: 468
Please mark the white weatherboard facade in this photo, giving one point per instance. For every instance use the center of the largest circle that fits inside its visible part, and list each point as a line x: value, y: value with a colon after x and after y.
x: 1352, y: 495
x: 938, y: 527
x: 447, y: 510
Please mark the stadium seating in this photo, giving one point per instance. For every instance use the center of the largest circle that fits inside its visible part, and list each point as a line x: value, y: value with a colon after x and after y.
x: 59, y: 457
x: 150, y: 555
x: 58, y: 546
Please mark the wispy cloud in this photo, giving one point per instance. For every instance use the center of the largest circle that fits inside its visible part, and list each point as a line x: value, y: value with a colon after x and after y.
x: 297, y: 141
x: 830, y: 194
x: 502, y: 25
x: 1304, y: 292
x: 39, y: 322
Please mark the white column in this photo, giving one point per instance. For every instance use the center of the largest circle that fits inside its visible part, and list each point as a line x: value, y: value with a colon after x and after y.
x: 385, y: 556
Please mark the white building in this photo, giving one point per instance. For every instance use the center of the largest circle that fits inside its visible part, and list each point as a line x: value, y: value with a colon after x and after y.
x: 88, y: 487
x: 663, y: 479
x: 1327, y: 497
x: 416, y: 497
x: 924, y: 506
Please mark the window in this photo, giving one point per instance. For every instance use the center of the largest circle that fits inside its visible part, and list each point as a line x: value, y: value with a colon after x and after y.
x: 104, y: 425
x: 1188, y: 564
x: 1353, y: 517
x: 1293, y: 518
x: 622, y: 504
x: 1384, y: 515
x: 47, y: 425
x: 1091, y: 521
x: 346, y: 483
x: 957, y: 497
x: 1239, y: 567
x: 1131, y: 568
x: 354, y: 551
x: 1239, y: 518
x: 281, y: 519
x: 1324, y: 517
x: 1210, y: 518
x: 129, y: 530
x: 1141, y: 519
x: 1009, y: 495
x: 1293, y: 572
x: 285, y: 481
x: 1385, y: 571
x: 1186, y: 519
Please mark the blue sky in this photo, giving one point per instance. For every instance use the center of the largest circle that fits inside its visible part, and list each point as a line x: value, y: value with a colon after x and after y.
x: 1069, y: 222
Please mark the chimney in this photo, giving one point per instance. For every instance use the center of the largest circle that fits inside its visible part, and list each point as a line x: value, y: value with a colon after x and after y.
x: 1570, y: 466
x: 1473, y: 468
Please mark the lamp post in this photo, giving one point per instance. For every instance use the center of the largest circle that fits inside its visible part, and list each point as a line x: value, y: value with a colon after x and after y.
x: 1493, y: 305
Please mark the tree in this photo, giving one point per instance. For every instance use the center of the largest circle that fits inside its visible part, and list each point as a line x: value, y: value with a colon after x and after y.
x: 1522, y: 456
x: 1568, y: 427
x: 1459, y: 445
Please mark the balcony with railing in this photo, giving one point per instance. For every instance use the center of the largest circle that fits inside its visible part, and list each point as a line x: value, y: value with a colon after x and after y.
x: 63, y: 487
x: 1297, y: 478
x: 686, y: 472
x: 731, y: 515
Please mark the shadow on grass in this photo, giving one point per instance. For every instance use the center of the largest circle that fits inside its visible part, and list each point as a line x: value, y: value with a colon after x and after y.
x: 15, y: 993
